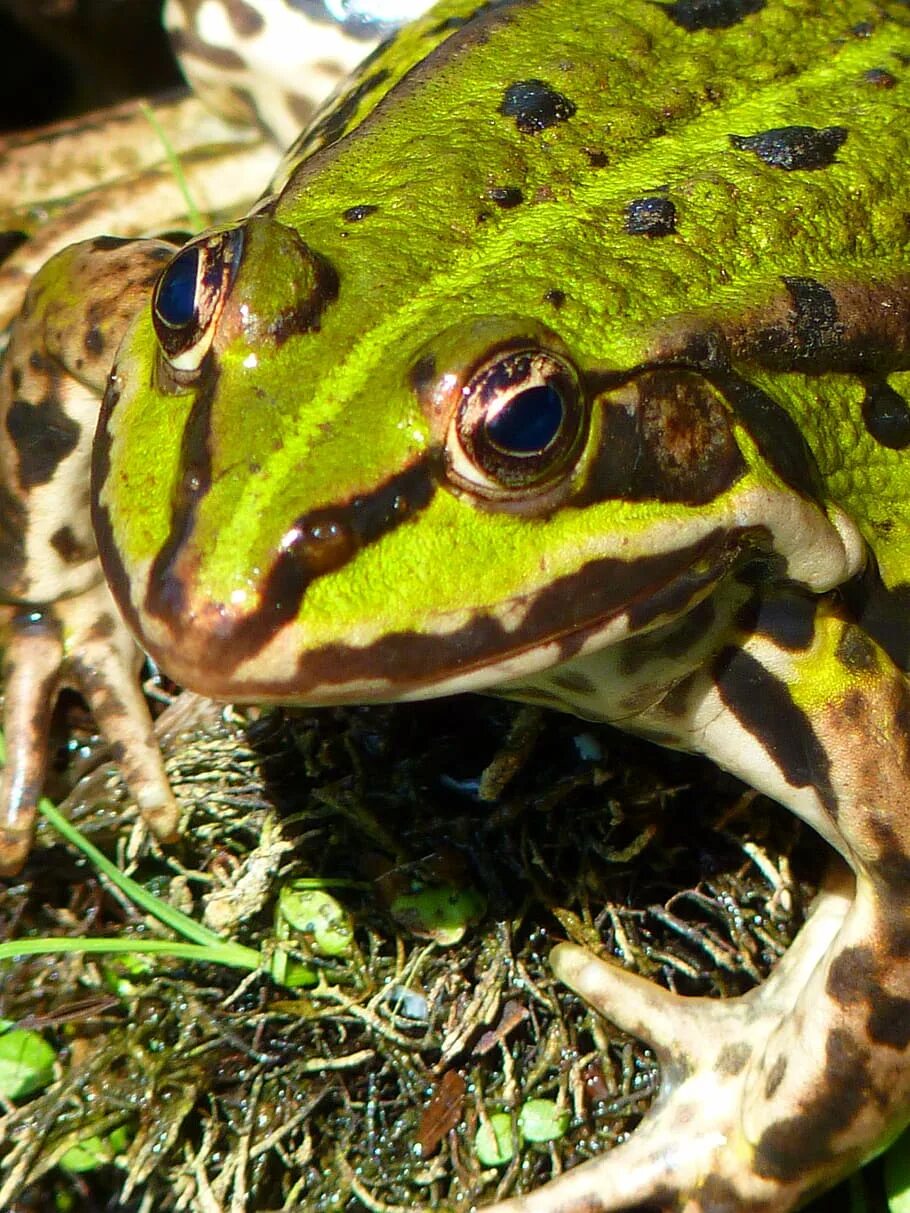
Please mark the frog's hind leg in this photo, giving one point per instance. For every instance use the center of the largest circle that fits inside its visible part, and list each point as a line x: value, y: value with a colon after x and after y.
x: 771, y: 1097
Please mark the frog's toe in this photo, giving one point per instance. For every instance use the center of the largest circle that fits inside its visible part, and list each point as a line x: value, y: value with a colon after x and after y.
x: 31, y: 667
x: 735, y: 1124
x: 105, y: 672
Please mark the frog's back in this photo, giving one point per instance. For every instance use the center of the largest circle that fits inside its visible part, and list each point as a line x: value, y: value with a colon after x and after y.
x: 662, y: 180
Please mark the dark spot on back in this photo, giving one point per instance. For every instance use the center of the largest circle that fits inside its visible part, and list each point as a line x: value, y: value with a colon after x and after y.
x: 354, y: 214
x: 596, y: 158
x: 816, y: 322
x: 886, y: 415
x: 555, y: 297
x: 855, y: 651
x: 535, y: 106
x: 694, y: 15
x: 794, y: 147
x: 506, y: 196
x: 880, y: 77
x: 650, y: 217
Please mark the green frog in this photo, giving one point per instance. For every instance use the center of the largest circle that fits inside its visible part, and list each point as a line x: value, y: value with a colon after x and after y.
x: 567, y: 356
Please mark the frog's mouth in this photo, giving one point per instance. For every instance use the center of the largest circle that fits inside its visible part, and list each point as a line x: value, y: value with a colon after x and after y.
x: 266, y: 653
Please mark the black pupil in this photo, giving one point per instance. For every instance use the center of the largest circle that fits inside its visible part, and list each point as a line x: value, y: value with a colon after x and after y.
x: 175, y: 302
x: 529, y: 422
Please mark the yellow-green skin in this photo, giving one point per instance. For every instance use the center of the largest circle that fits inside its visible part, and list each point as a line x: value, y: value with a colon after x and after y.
x: 327, y: 415
x: 693, y: 217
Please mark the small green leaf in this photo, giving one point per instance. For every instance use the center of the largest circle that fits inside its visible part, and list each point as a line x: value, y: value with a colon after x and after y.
x: 96, y: 1151
x: 493, y: 1144
x: 26, y: 1063
x: 317, y: 914
x: 542, y: 1120
x: 443, y: 912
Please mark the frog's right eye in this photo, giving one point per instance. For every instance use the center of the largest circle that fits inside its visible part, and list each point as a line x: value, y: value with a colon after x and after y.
x: 190, y: 295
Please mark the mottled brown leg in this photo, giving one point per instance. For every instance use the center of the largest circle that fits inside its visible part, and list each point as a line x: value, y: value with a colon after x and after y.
x: 30, y: 670
x: 769, y: 1098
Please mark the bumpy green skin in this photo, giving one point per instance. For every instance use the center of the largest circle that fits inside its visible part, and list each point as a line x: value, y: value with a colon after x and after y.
x: 328, y: 415
x: 692, y: 221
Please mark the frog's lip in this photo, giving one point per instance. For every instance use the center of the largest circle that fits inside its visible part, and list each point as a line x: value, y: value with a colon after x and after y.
x: 265, y: 654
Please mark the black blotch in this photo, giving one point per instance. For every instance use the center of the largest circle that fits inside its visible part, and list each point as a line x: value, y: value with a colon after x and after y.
x: 555, y: 297
x: 451, y: 23
x: 774, y: 431
x: 816, y: 321
x: 692, y: 15
x: 791, y: 1147
x: 596, y: 158
x: 535, y: 106
x: 103, y: 244
x: 794, y: 147
x: 775, y: 1076
x: 881, y: 613
x: 94, y: 341
x: 506, y: 196
x: 889, y: 1021
x: 354, y: 214
x: 855, y: 651
x: 9, y: 242
x: 763, y: 705
x: 886, y: 415
x: 67, y: 546
x: 880, y: 77
x: 43, y: 436
x: 732, y: 1059
x: 788, y: 619
x: 651, y: 217
x: 423, y: 374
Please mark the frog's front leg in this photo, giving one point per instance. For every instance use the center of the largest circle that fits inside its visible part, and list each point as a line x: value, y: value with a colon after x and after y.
x: 63, y: 627
x: 769, y: 1098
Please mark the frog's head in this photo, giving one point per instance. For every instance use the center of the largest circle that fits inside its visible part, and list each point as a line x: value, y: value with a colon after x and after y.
x: 301, y: 494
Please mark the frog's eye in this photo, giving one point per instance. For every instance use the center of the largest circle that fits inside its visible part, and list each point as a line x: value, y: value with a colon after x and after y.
x: 189, y: 296
x: 518, y: 425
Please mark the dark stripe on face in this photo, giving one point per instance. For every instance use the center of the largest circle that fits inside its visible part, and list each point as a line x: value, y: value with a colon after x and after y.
x: 762, y: 704
x: 567, y: 612
x: 810, y: 326
x: 166, y: 597
x: 318, y: 543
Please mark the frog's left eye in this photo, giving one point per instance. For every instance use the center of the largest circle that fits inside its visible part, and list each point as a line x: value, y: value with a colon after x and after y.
x: 518, y: 426
x: 190, y: 294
